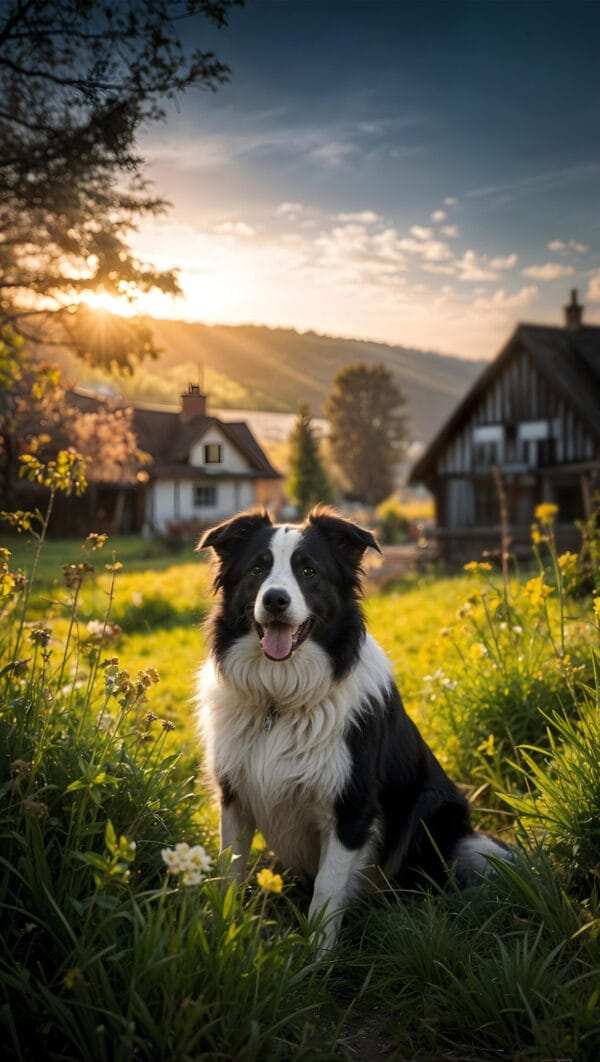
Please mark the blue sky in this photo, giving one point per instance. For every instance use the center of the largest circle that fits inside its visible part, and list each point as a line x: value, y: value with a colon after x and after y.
x: 422, y: 173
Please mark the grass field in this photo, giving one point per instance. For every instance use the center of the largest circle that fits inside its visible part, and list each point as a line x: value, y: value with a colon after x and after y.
x: 106, y: 955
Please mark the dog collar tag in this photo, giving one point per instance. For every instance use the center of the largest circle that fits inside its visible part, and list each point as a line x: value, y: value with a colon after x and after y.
x: 270, y: 718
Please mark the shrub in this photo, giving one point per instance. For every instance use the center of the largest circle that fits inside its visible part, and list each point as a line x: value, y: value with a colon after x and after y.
x: 563, y: 803
x: 392, y: 522
x: 512, y: 657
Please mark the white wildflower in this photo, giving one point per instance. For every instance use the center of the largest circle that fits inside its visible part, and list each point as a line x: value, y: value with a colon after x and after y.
x: 192, y: 862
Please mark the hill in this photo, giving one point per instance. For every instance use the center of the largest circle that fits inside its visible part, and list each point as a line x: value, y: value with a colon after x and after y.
x: 254, y: 367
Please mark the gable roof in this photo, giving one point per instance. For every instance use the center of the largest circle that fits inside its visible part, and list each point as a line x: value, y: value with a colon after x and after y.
x: 569, y: 359
x: 168, y: 437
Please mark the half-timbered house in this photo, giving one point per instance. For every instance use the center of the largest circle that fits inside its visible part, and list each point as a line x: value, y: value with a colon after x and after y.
x: 528, y: 431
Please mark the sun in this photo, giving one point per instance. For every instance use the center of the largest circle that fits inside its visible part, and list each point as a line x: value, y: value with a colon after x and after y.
x: 148, y: 303
x: 102, y: 301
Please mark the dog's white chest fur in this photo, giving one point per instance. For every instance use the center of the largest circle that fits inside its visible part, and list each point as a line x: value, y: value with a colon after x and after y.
x: 289, y: 774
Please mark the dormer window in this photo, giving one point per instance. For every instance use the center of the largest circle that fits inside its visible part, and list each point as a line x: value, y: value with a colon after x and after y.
x: 212, y: 454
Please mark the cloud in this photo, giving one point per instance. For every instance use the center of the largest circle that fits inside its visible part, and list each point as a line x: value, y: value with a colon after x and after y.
x: 450, y: 201
x: 234, y: 228
x: 593, y: 291
x: 449, y: 230
x: 502, y: 302
x: 421, y: 232
x: 506, y: 262
x: 548, y: 271
x: 474, y: 267
x: 352, y: 255
x: 362, y: 217
x: 333, y: 152
x: 290, y: 210
x: 438, y: 215
x: 428, y: 249
x: 432, y: 267
x: 559, y: 246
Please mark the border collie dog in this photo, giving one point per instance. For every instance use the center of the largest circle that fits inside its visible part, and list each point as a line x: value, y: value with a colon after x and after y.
x: 305, y: 734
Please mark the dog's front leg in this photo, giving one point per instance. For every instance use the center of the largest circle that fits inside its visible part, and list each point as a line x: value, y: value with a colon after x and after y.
x: 334, y: 885
x: 237, y: 831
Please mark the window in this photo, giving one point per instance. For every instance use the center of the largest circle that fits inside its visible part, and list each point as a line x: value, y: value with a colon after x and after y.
x: 212, y: 454
x: 205, y: 496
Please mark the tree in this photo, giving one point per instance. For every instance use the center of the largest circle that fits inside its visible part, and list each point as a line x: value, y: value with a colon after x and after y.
x: 78, y: 81
x: 37, y: 417
x: 368, y: 429
x: 308, y: 482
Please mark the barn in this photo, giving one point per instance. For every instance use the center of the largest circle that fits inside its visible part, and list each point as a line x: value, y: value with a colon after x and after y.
x: 527, y: 432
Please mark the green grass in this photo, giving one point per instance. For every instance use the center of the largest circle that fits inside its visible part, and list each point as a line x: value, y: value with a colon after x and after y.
x: 105, y: 955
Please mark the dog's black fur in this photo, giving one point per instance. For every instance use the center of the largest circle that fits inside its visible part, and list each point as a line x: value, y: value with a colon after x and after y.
x: 372, y: 794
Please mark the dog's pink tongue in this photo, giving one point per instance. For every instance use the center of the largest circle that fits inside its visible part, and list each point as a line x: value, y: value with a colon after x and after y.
x: 277, y: 641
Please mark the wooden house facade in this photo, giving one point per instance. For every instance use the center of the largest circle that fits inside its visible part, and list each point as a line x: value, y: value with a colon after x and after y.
x: 529, y: 429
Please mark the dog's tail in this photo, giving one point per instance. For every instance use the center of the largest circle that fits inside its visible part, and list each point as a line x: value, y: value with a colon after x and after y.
x: 472, y: 856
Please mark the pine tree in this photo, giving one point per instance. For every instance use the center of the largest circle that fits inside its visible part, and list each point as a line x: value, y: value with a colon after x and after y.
x: 308, y: 481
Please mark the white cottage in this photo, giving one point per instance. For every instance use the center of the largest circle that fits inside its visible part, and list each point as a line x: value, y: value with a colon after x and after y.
x: 203, y: 469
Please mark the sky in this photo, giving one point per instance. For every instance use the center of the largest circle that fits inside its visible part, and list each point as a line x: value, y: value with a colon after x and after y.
x: 426, y: 174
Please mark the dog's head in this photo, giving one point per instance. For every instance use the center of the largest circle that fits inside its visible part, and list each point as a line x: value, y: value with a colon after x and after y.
x: 288, y: 583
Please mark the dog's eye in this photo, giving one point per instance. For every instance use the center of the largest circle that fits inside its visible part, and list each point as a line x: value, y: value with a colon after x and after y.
x: 257, y: 569
x: 308, y: 572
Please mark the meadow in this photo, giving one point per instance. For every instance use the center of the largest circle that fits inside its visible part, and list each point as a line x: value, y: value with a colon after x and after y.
x: 116, y: 943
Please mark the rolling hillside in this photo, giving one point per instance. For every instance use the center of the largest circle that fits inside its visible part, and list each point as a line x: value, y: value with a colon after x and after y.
x: 254, y: 367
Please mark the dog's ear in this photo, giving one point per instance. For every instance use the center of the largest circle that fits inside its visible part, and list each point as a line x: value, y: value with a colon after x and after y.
x: 343, y: 534
x: 234, y: 530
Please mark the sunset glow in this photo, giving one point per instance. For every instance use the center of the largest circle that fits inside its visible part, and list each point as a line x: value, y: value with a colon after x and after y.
x: 408, y: 192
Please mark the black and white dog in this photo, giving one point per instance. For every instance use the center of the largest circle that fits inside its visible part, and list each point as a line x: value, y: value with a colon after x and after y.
x: 305, y: 734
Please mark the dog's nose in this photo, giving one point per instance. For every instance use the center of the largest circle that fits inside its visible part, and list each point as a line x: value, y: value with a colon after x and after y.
x: 276, y: 600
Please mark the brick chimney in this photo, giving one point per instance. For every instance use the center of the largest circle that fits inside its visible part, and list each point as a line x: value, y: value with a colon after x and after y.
x: 573, y: 312
x: 193, y: 402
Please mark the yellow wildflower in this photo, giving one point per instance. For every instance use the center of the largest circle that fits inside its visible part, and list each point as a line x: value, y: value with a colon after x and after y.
x: 73, y: 978
x: 269, y: 881
x: 536, y: 535
x: 487, y: 746
x: 596, y: 606
x: 546, y: 512
x: 477, y: 651
x: 567, y: 562
x: 537, y: 591
x: 478, y: 566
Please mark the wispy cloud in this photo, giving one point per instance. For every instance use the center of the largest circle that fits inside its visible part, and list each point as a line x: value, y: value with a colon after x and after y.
x: 290, y: 210
x: 333, y: 152
x: 501, y: 300
x: 560, y: 246
x: 362, y: 217
x: 548, y: 271
x: 234, y: 228
x: 593, y: 291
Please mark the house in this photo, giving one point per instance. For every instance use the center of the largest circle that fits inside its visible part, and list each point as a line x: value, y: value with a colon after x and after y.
x: 530, y: 425
x: 202, y: 469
